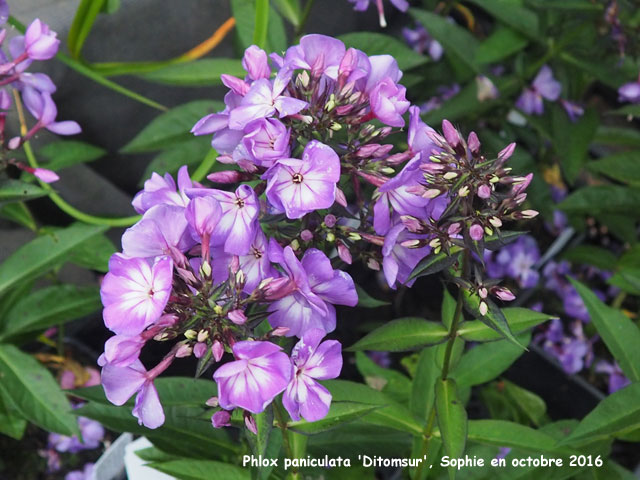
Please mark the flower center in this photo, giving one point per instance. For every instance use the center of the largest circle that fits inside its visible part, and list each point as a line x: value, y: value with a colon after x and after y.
x: 297, y: 178
x: 256, y: 253
x: 239, y: 202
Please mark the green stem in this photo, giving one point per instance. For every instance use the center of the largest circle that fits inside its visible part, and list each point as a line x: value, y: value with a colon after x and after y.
x: 71, y: 210
x: 305, y: 17
x: 262, y: 23
x: 453, y: 334
x: 205, y: 167
x: 619, y: 300
x: 282, y: 424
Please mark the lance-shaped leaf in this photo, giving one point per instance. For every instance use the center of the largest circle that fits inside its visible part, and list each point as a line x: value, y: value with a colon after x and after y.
x: 260, y: 442
x: 509, y: 434
x: 493, y: 318
x: 339, y: 414
x: 518, y: 319
x: 422, y: 392
x: 616, y: 414
x: 192, y: 469
x: 29, y: 388
x: 452, y: 417
x: 367, y: 301
x: 401, y: 335
x: 618, y: 332
x: 435, y: 263
x: 17, y: 191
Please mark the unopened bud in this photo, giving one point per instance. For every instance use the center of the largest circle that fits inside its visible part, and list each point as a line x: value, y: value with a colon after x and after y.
x: 435, y: 243
x: 344, y: 253
x: 183, y: 351
x: 529, y: 213
x: 415, y: 243
x: 191, y: 334
x: 354, y: 237
x: 221, y: 419
x: 450, y: 175
x: 217, y: 350
x: 431, y: 193
x: 237, y: 316
x: 203, y: 335
x: 373, y: 264
x: 504, y: 294
x: 212, y: 402
x: 335, y: 126
x: 295, y: 244
x: 488, y: 230
x: 218, y: 310
x: 484, y: 191
x: 495, y: 221
x: 454, y: 229
x: 250, y: 423
x: 330, y: 237
x: 199, y: 349
x: 306, y: 235
x: 205, y: 269
x: 482, y: 291
x: 464, y: 191
x: 279, y: 332
x: 483, y: 308
x: 330, y: 220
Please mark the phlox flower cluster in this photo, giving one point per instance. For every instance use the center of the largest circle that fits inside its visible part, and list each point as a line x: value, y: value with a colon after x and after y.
x: 35, y: 89
x: 246, y: 278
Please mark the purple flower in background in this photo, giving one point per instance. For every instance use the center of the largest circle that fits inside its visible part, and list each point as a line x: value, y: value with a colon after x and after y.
x: 312, y: 361
x: 362, y: 5
x: 398, y: 261
x: 543, y: 86
x: 573, y: 351
x: 42, y: 107
x: 162, y: 190
x: 574, y: 111
x: 266, y: 141
x: 524, y: 255
x: 444, y: 93
x: 38, y: 42
x: 85, y: 474
x: 382, y: 359
x: 238, y: 223
x: 92, y: 435
x: 162, y: 230
x: 134, y: 293
x: 630, y: 92
x: 260, y: 372
x: 420, y: 40
x: 319, y: 54
x: 121, y: 383
x: 312, y: 288
x: 617, y: 379
x: 298, y: 187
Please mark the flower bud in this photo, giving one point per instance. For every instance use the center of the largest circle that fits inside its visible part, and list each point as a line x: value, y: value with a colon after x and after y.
x: 191, y: 334
x: 330, y: 220
x: 183, y: 351
x: 344, y: 253
x: 306, y: 235
x: 250, y: 423
x: 476, y: 232
x: 237, y: 316
x: 199, y: 349
x: 450, y: 133
x: 529, y: 214
x: 212, y: 402
x: 203, y: 335
x: 483, y: 308
x: 217, y: 350
x: 484, y: 191
x: 221, y: 419
x: 279, y: 332
x: 373, y: 264
x: 464, y: 191
x: 482, y: 291
x: 506, y: 152
x: 454, y: 229
x: 504, y: 294
x: 495, y: 221
x: 330, y: 237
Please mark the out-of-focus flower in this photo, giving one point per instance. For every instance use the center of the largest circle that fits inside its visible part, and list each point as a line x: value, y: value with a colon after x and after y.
x: 617, y: 379
x: 362, y: 5
x: 630, y: 92
x: 420, y: 40
x: 543, y: 86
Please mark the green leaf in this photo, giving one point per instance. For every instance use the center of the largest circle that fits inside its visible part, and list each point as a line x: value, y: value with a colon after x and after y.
x: 486, y: 361
x: 17, y: 191
x: 618, y: 413
x: 391, y: 382
x: 261, y: 23
x: 603, y: 199
x: 456, y: 40
x: 511, y: 13
x: 623, y: 167
x: 19, y: 213
x: 189, y: 152
x: 33, y: 392
x: 619, y: 333
x: 11, y: 422
x: 81, y: 26
x: 401, y: 335
x: 289, y: 9
x: 171, y: 127
x: 591, y: 255
x: 65, y: 153
x: 572, y: 139
x: 38, y: 256
x: 191, y: 469
x: 380, y: 44
x: 519, y: 320
x: 434, y: 263
x: 617, y: 136
x: 627, y: 279
x: 198, y: 73
x: 627, y: 111
x: 389, y: 414
x: 244, y: 11
x: 367, y: 301
x: 509, y: 434
x: 452, y: 417
x: 110, y: 6
x: 48, y: 307
x: 422, y: 389
x: 494, y: 318
x: 528, y: 402
x: 501, y: 44
x: 260, y: 442
x: 448, y: 308
x: 93, y: 254
x: 341, y: 412
x: 276, y: 34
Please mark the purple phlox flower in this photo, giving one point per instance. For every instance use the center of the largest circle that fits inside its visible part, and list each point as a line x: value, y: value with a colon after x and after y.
x: 443, y: 93
x: 264, y: 99
x: 574, y: 111
x: 260, y: 372
x: 418, y: 135
x: 203, y: 214
x: 312, y: 361
x: 4, y: 12
x: 38, y: 42
x: 121, y: 350
x: 554, y: 274
x: 313, y: 287
x: 398, y: 261
x: 298, y: 187
x: 381, y: 359
x: 163, y: 230
x: 543, y: 86
x: 320, y: 54
x: 237, y: 226
x: 135, y: 292
x: 617, y: 379
x: 395, y: 194
x: 386, y: 97
x: 362, y: 5
x: 573, y: 351
x: 503, y: 452
x: 42, y: 107
x: 121, y: 383
x: 574, y: 305
x: 266, y: 141
x: 630, y: 92
x: 85, y: 474
x: 524, y: 255
x: 420, y: 40
x: 256, y: 63
x: 224, y: 140
x: 92, y: 435
x: 162, y: 190
x: 256, y: 265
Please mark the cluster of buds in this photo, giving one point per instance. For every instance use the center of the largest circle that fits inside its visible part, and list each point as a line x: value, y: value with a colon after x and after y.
x: 33, y: 90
